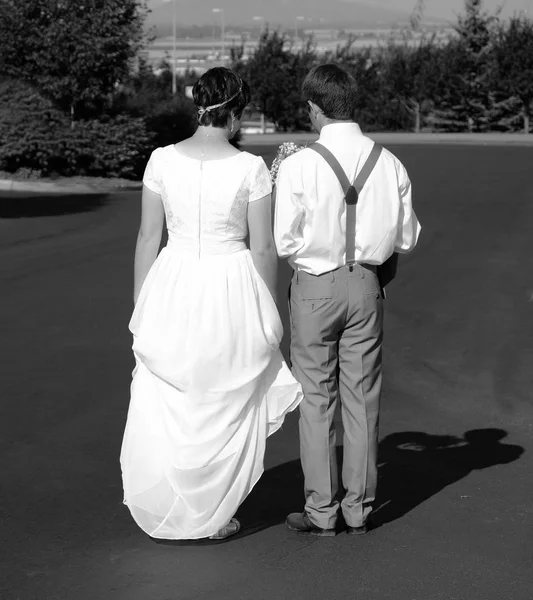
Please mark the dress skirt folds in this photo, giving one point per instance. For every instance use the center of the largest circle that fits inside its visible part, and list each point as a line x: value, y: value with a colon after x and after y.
x: 210, y: 384
x: 209, y: 387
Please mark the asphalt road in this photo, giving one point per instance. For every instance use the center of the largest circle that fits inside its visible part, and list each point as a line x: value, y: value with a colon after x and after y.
x: 456, y: 456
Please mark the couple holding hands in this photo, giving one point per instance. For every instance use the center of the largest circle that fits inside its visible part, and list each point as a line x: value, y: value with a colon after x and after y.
x: 210, y: 383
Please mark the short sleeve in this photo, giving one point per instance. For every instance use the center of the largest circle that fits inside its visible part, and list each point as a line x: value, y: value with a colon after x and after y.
x: 151, y: 177
x: 260, y: 181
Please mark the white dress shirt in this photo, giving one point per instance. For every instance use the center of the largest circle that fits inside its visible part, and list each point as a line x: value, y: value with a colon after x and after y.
x: 310, y: 212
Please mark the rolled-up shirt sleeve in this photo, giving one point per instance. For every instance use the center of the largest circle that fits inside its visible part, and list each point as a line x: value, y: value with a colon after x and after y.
x: 288, y: 211
x: 408, y: 225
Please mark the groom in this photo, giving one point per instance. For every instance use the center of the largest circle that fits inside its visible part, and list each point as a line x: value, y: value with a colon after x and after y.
x: 335, y: 243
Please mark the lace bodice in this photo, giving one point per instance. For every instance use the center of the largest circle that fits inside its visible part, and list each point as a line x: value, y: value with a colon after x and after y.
x: 206, y: 201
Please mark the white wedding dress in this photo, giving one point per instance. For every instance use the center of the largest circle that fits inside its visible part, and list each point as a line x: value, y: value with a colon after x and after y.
x: 210, y: 384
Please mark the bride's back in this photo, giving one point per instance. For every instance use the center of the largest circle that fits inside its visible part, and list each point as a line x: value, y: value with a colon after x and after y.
x: 206, y: 201
x: 198, y: 149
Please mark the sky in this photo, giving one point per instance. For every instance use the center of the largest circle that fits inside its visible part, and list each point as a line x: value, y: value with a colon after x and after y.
x: 449, y: 8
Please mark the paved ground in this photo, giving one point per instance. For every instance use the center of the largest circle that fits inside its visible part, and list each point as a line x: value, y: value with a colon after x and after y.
x: 404, y: 138
x: 456, y: 452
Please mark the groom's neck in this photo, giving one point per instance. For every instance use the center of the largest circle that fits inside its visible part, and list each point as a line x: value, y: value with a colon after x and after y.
x: 333, y: 122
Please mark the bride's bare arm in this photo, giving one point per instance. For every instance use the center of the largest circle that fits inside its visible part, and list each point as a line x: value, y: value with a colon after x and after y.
x: 148, y: 239
x: 262, y: 244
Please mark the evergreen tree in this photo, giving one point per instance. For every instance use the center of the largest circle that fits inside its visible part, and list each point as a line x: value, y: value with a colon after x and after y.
x: 468, y: 65
x: 513, y: 53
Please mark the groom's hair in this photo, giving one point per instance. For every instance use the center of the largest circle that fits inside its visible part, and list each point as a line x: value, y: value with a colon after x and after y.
x: 333, y: 90
x: 217, y: 86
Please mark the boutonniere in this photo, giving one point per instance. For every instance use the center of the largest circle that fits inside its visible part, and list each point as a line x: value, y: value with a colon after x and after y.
x: 284, y: 151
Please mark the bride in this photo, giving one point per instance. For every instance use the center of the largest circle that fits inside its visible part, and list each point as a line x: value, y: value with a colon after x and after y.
x: 210, y: 384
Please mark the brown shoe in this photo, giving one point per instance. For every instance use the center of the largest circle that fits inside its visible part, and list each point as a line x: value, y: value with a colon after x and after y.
x: 361, y: 530
x: 301, y: 523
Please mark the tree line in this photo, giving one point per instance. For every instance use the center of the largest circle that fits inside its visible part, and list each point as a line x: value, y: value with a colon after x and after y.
x: 480, y: 79
x: 76, y: 97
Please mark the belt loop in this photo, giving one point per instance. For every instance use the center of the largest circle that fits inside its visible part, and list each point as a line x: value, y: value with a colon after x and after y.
x: 353, y: 265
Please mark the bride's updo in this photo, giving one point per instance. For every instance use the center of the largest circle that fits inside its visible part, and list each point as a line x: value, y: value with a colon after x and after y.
x: 219, y: 94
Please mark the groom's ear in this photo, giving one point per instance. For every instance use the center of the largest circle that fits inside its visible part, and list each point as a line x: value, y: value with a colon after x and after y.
x: 315, y: 109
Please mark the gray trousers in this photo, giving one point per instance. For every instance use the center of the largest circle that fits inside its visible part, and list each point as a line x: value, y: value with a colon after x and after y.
x: 337, y: 333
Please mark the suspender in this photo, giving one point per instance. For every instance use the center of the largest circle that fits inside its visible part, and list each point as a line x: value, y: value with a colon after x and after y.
x: 351, y: 191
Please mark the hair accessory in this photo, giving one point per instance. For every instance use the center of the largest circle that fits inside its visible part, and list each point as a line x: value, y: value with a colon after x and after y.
x: 203, y: 109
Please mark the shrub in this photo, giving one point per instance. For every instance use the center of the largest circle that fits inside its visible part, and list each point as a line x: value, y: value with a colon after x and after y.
x: 110, y: 147
x: 36, y: 136
x: 38, y: 139
x: 171, y: 121
x: 27, y: 122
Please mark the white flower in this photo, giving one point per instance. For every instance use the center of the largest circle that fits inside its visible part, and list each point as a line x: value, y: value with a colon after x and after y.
x: 284, y: 151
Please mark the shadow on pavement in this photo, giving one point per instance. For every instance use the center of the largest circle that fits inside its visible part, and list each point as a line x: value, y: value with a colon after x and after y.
x: 15, y: 206
x: 278, y: 492
x: 413, y: 467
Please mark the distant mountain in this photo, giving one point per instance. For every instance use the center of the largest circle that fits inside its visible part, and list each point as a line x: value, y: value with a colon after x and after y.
x: 318, y: 13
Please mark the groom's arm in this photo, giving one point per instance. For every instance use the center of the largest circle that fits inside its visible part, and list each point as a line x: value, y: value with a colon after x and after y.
x: 288, y: 211
x: 408, y: 225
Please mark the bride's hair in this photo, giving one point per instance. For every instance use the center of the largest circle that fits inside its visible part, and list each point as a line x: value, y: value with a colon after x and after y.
x: 219, y: 94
